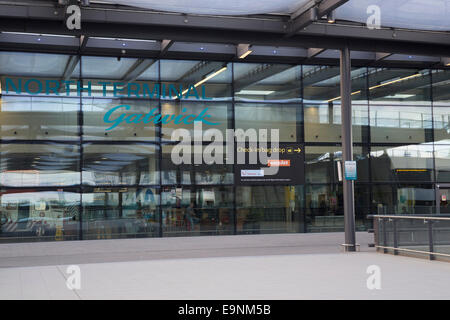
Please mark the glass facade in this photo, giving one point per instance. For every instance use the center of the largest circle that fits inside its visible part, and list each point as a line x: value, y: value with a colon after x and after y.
x: 66, y: 176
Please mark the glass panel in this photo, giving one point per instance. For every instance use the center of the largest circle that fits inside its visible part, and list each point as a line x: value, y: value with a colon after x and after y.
x: 33, y: 215
x: 33, y: 102
x: 106, y: 67
x: 36, y: 65
x: 38, y: 118
x: 50, y: 164
x: 120, y: 213
x: 322, y: 164
x: 323, y: 122
x: 172, y: 173
x: 204, y: 211
x: 400, y: 105
x: 111, y: 164
x: 403, y: 199
x: 442, y: 162
x: 407, y: 87
x: 400, y: 123
x: 213, y: 173
x: 266, y: 81
x: 118, y: 125
x: 321, y: 84
x: 215, y: 113
x: 441, y: 236
x: 324, y: 208
x: 196, y: 80
x: 403, y: 163
x: 286, y: 118
x: 268, y: 209
x: 363, y: 207
x: 441, y: 104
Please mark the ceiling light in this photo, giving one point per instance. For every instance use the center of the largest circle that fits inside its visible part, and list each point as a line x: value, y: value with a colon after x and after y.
x: 330, y: 17
x: 395, y: 81
x: 210, y: 76
x: 337, y: 98
x: 256, y: 92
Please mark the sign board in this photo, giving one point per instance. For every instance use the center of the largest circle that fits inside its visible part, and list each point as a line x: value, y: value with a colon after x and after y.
x: 350, y: 170
x: 290, y: 165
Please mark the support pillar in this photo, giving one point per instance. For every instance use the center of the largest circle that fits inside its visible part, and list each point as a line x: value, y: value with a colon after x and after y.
x: 347, y: 149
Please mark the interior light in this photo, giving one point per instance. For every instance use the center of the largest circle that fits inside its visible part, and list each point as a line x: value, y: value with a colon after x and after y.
x: 256, y: 92
x: 245, y: 54
x: 337, y: 98
x: 330, y: 17
x: 395, y: 81
x: 210, y: 76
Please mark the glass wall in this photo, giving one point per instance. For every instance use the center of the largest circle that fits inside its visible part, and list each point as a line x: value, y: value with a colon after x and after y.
x: 84, y: 156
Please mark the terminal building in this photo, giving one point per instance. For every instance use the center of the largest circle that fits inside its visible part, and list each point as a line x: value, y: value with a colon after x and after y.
x: 64, y: 175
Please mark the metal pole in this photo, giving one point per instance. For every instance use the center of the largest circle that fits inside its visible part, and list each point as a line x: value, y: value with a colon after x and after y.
x: 347, y: 149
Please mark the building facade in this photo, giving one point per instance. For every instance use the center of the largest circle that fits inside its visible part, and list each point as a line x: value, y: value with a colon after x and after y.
x: 64, y: 176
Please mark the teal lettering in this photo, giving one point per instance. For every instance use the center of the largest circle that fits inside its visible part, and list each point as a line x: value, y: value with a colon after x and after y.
x: 27, y: 86
x: 117, y: 121
x: 9, y: 82
x: 135, y: 91
x: 48, y: 88
x: 146, y: 90
x: 204, y: 94
x: 188, y: 93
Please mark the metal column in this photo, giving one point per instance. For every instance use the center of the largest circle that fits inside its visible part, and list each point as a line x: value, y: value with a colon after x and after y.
x: 347, y: 149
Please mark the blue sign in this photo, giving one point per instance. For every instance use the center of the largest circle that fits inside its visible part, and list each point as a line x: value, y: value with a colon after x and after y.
x: 350, y: 170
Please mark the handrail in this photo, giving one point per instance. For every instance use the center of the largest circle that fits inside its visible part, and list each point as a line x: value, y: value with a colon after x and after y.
x: 409, y: 217
x: 416, y: 245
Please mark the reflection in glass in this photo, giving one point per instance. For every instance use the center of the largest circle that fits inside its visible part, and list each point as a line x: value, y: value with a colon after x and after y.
x: 199, y: 80
x: 172, y: 173
x: 266, y: 81
x: 110, y: 213
x: 204, y: 211
x: 283, y: 117
x: 95, y: 127
x: 403, y: 163
x: 48, y: 164
x: 131, y: 164
x: 323, y: 122
x: 39, y: 118
x: 403, y: 199
x: 32, y: 215
x: 442, y: 160
x: 322, y: 164
x: 216, y: 113
x: 268, y: 209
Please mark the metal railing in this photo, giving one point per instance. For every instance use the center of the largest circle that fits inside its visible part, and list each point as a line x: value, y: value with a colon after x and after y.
x: 413, y: 235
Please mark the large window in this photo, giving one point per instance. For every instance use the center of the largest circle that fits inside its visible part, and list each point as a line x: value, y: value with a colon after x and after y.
x: 86, y: 145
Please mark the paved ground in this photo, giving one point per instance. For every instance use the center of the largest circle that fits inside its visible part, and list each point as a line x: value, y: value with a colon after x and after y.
x: 292, y: 266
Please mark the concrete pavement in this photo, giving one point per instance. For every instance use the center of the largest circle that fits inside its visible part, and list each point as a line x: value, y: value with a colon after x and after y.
x: 291, y: 266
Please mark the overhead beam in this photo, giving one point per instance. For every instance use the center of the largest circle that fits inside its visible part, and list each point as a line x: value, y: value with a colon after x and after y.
x: 381, y: 55
x: 199, y: 70
x: 83, y: 42
x: 312, y: 52
x: 104, y: 21
x: 311, y: 15
x: 138, y: 68
x: 261, y: 72
x: 165, y: 46
x: 70, y: 67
